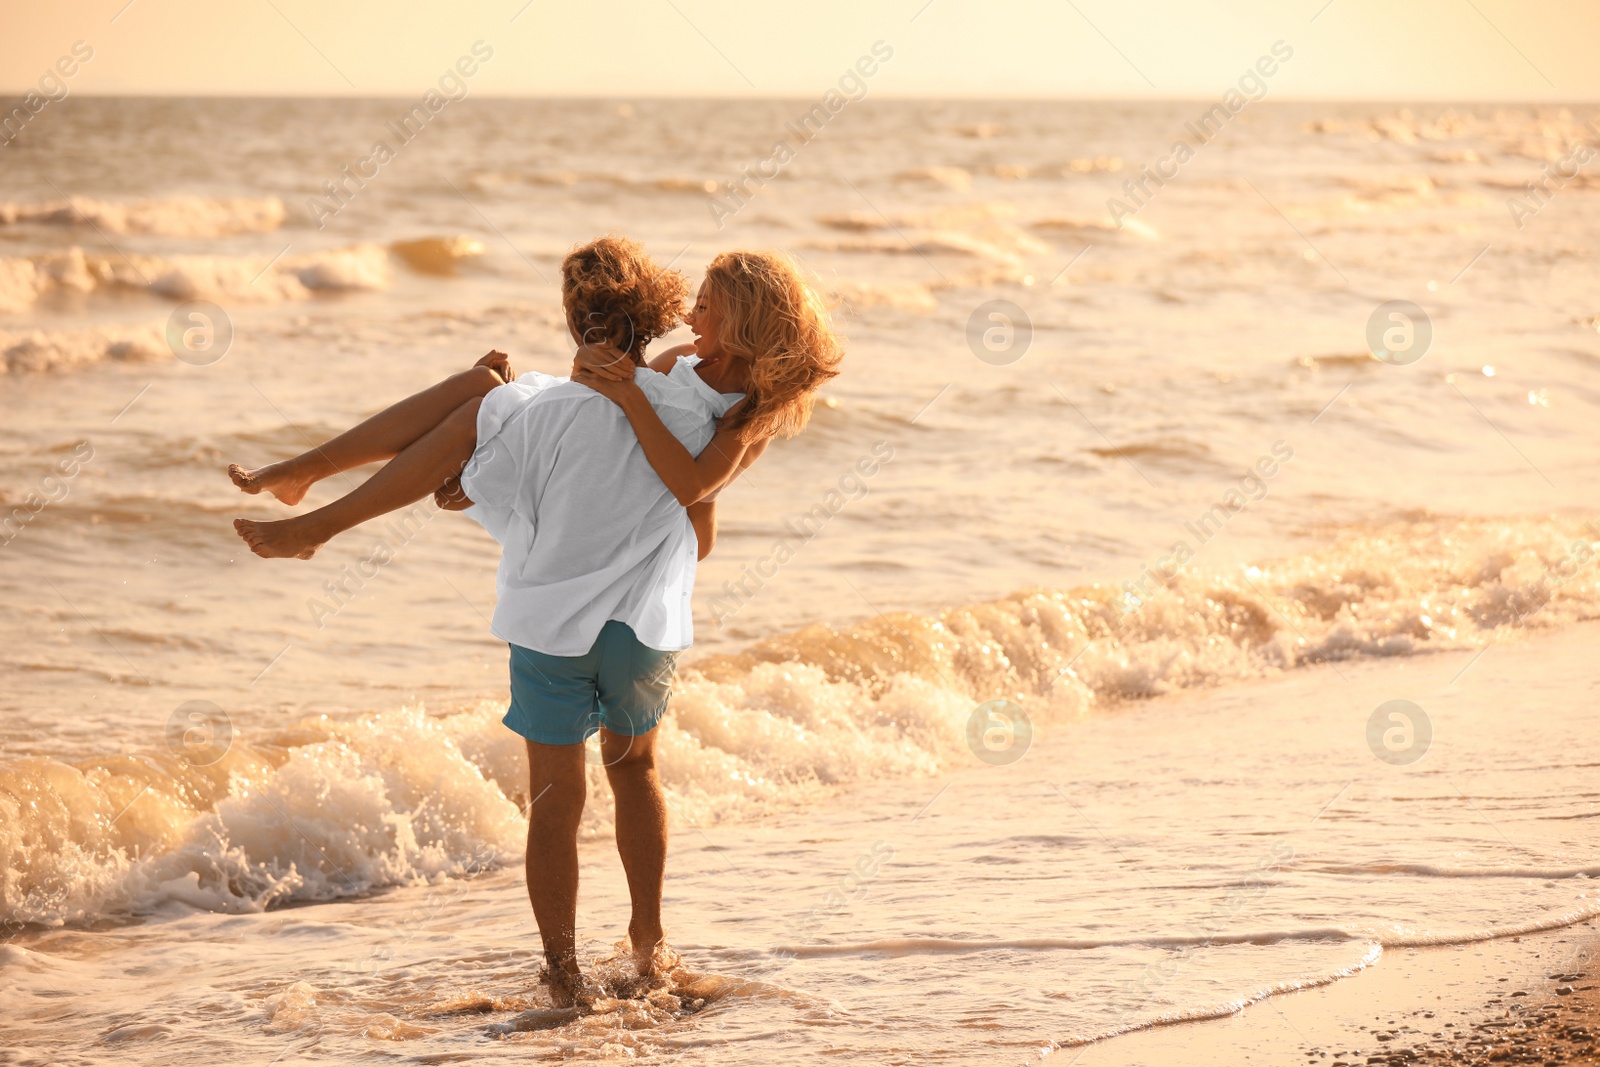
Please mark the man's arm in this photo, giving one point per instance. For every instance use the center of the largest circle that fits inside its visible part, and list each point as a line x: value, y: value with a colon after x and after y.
x: 703, y: 516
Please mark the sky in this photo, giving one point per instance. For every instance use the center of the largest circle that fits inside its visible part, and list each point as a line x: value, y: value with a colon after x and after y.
x: 1363, y: 49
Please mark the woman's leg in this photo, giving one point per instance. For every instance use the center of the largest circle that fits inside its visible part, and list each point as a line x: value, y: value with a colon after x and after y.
x: 422, y: 467
x: 383, y: 436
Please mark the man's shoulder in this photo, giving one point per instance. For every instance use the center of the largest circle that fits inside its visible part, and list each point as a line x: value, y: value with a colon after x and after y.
x: 566, y: 391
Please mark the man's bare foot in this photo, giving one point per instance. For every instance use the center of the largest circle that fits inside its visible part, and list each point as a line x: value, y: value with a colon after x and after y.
x: 283, y: 539
x: 650, y: 952
x: 568, y: 987
x: 280, y: 479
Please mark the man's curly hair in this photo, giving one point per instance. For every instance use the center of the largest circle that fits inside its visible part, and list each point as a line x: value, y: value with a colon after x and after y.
x: 615, y: 294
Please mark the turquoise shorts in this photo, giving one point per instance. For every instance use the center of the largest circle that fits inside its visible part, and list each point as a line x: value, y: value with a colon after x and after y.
x: 619, y: 684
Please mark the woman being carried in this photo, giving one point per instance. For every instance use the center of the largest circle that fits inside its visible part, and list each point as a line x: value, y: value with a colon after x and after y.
x: 759, y: 329
x: 758, y: 312
x: 613, y: 295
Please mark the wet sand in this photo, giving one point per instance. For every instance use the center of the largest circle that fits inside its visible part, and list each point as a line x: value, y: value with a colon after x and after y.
x: 1525, y: 1000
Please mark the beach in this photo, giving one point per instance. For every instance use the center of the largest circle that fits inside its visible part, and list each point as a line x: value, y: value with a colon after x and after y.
x: 1184, y: 682
x: 1517, y: 1000
x: 1131, y: 876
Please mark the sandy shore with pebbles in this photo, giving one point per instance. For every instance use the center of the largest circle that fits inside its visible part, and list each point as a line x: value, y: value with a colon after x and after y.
x: 1526, y: 1000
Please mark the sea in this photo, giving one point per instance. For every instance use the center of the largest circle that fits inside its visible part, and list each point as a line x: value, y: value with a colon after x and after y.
x: 1210, y: 606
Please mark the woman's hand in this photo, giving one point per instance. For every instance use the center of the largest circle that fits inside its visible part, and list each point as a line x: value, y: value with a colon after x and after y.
x: 604, y: 361
x: 613, y: 390
x: 498, y: 362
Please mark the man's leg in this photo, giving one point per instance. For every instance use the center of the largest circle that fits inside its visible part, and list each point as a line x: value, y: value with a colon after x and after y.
x: 556, y: 781
x: 641, y: 833
x: 383, y: 436
x: 424, y: 466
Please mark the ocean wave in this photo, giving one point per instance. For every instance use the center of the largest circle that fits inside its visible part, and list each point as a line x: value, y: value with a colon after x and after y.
x: 437, y: 255
x: 1017, y: 172
x: 328, y: 808
x: 322, y: 811
x: 1403, y: 126
x: 178, y: 216
x: 43, y: 350
x: 1095, y: 227
x: 1371, y: 954
x: 967, y: 215
x: 925, y: 946
x: 247, y: 279
x: 1387, y: 939
x: 488, y: 181
x: 956, y: 179
x: 981, y: 230
x: 1350, y: 360
x: 901, y: 296
x: 1429, y: 870
x: 1003, y: 248
x: 1539, y: 134
x: 1175, y: 449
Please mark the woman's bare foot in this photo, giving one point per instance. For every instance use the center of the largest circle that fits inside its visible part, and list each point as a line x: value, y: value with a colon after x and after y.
x: 282, y: 479
x: 282, y: 539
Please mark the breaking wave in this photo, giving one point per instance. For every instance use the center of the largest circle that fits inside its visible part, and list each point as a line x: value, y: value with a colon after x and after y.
x: 41, y: 350
x: 25, y: 280
x: 178, y: 216
x: 326, y: 808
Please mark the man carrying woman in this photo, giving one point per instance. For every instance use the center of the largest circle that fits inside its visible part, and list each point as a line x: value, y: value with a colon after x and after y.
x: 601, y: 491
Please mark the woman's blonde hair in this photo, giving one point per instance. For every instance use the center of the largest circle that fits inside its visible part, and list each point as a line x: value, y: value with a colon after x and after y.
x: 774, y: 318
x: 615, y: 294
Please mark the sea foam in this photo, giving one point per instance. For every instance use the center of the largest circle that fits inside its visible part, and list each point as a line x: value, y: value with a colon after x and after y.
x: 178, y: 216
x: 234, y: 279
x: 328, y: 808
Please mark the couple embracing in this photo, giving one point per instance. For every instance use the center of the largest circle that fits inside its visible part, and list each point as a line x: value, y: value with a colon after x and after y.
x: 601, y: 489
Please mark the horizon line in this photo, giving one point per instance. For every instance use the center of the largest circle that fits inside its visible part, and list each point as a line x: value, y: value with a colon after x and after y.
x: 1285, y: 98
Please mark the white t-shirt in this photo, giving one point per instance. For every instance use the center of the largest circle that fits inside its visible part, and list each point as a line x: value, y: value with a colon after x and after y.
x: 588, y: 530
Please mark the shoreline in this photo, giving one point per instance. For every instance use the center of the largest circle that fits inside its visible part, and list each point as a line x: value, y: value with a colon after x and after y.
x: 1530, y: 999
